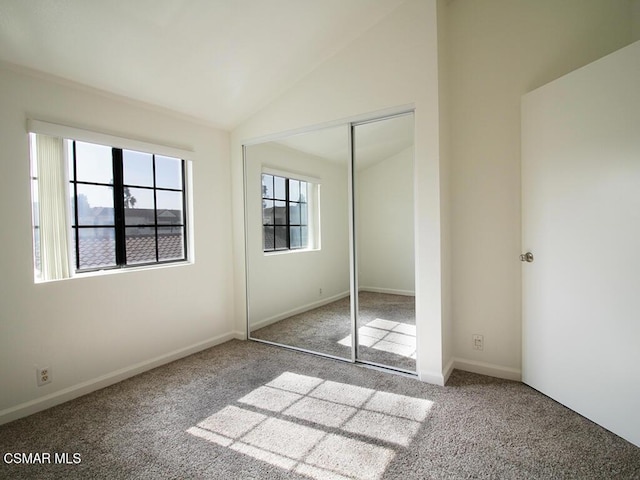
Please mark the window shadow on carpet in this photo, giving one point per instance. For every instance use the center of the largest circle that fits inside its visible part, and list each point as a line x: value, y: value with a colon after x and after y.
x: 318, y: 428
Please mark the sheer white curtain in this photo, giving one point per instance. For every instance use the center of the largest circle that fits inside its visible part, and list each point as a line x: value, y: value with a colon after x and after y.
x: 52, y: 207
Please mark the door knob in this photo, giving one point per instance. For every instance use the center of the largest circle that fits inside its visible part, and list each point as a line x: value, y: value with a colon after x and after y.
x: 526, y: 257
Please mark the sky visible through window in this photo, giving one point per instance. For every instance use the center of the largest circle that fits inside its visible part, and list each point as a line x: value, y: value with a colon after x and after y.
x: 94, y: 164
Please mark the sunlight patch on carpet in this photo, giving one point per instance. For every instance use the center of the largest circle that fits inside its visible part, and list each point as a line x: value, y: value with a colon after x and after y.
x: 319, y: 428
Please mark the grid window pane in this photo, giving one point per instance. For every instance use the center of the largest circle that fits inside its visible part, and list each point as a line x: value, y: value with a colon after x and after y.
x: 168, y: 172
x: 295, y: 237
x: 93, y: 163
x: 141, y: 244
x: 171, y: 243
x: 267, y: 212
x: 304, y: 237
x: 267, y: 186
x: 303, y: 191
x: 169, y: 205
x: 137, y: 168
x: 294, y: 190
x: 138, y: 206
x: 35, y: 202
x: 36, y: 249
x: 97, y: 247
x: 95, y: 205
x: 280, y: 189
x: 280, y: 238
x: 294, y: 213
x: 280, y: 213
x: 268, y: 238
x: 304, y: 217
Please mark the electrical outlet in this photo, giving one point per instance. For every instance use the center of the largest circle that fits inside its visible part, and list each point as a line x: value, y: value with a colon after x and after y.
x: 320, y: 292
x: 44, y: 376
x: 478, y: 342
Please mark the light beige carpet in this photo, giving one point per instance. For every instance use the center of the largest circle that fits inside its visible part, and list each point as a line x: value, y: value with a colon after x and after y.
x: 245, y: 410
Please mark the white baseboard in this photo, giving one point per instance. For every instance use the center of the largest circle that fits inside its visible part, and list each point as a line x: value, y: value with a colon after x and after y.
x: 489, y: 369
x: 390, y: 291
x: 434, y: 378
x: 297, y: 310
x: 75, y: 391
x: 438, y: 378
x: 240, y: 335
x: 448, y: 369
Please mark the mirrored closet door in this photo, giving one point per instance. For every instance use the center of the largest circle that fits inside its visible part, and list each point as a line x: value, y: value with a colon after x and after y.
x: 297, y: 247
x: 329, y: 242
x: 384, y: 233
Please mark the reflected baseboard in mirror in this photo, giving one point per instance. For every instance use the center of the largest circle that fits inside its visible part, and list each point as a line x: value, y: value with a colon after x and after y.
x: 386, y: 333
x: 319, y: 330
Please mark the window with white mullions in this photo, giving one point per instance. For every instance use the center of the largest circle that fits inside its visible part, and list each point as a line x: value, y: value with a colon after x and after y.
x: 285, y: 213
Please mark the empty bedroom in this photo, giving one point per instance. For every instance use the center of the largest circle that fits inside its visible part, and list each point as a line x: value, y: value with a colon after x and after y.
x: 326, y: 239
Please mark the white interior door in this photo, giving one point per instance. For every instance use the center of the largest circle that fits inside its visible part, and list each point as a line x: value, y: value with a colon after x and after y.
x: 581, y: 221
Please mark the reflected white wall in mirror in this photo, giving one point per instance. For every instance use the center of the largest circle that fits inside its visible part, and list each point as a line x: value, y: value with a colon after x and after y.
x: 384, y: 180
x: 299, y: 297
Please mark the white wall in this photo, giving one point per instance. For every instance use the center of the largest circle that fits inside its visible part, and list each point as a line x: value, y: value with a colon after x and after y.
x: 497, y: 51
x: 283, y: 283
x: 93, y: 331
x: 445, y: 185
x: 386, y: 260
x: 394, y: 64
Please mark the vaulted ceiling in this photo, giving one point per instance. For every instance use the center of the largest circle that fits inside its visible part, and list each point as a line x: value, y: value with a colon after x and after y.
x: 218, y: 61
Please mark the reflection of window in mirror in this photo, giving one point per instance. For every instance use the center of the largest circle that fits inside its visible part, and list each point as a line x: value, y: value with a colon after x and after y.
x: 286, y: 218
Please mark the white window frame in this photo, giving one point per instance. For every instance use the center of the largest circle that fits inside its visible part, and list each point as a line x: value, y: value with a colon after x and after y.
x: 69, y: 133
